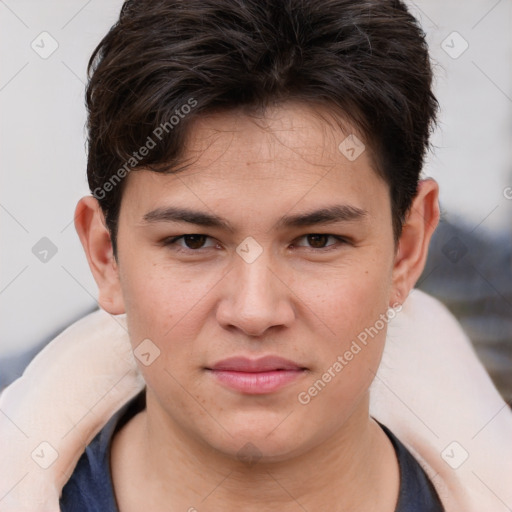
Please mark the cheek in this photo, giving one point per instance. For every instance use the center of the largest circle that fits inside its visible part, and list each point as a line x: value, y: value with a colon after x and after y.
x: 348, y: 299
x: 161, y: 299
x: 348, y: 364
x: 162, y: 306
x: 350, y: 337
x: 169, y: 307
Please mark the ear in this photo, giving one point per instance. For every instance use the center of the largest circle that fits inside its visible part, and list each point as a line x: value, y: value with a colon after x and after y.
x: 417, y: 231
x: 95, y: 237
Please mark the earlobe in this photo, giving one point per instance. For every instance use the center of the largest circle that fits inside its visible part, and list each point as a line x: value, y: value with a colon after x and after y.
x: 412, y: 251
x: 95, y: 239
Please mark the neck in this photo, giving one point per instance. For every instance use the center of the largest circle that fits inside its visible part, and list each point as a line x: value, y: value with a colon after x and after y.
x: 354, y: 469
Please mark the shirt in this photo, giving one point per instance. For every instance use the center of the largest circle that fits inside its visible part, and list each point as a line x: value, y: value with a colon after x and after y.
x: 90, y: 487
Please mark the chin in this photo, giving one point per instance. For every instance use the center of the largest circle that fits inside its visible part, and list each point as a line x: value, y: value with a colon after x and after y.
x: 269, y: 442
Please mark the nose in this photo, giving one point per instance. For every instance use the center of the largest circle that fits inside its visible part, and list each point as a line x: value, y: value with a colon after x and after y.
x: 254, y: 299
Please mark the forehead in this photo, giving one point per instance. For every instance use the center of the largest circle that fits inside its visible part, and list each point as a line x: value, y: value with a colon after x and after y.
x: 291, y: 134
x: 291, y: 155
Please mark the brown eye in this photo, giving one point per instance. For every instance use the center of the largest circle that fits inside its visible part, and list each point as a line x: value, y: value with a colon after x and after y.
x: 190, y: 242
x: 318, y: 241
x: 194, y: 241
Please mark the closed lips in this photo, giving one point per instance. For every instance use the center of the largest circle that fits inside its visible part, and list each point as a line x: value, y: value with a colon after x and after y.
x: 264, y: 364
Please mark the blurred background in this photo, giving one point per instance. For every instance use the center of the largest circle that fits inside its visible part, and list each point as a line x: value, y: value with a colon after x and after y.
x: 45, y: 283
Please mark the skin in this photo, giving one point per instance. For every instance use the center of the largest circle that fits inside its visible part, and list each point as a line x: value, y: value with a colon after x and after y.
x: 305, y: 299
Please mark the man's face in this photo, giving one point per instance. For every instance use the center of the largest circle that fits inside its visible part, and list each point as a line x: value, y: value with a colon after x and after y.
x: 261, y: 277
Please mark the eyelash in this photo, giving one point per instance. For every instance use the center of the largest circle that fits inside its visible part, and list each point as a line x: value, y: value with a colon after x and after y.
x: 172, y: 242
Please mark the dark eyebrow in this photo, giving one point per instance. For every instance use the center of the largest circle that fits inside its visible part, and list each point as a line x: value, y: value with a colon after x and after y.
x: 327, y: 215
x: 172, y: 214
x: 330, y: 214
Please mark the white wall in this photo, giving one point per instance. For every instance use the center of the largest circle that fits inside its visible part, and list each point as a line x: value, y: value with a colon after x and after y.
x: 42, y: 143
x: 473, y: 159
x: 42, y: 158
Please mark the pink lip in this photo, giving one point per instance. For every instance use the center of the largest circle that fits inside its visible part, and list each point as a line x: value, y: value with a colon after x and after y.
x: 256, y: 376
x: 263, y: 364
